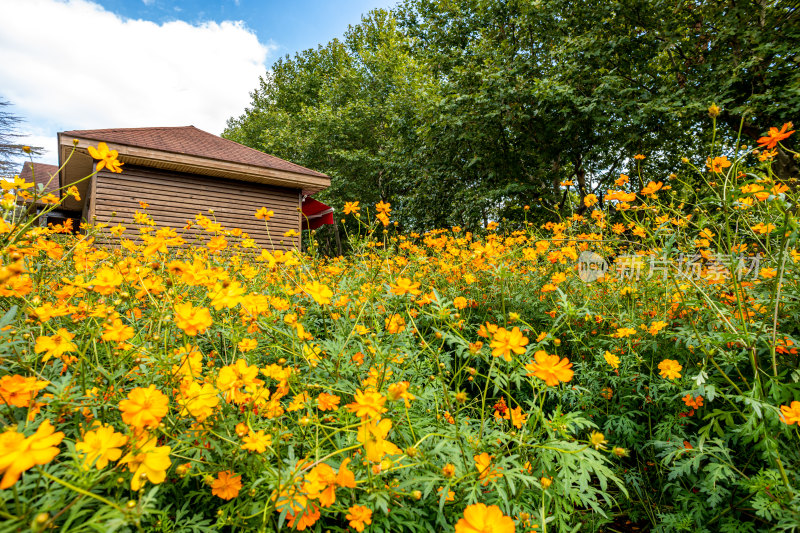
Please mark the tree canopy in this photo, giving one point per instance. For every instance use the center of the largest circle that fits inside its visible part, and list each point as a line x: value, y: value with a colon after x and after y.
x: 462, y: 111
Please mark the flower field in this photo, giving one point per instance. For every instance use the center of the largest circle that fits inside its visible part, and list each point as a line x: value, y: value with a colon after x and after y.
x: 632, y: 360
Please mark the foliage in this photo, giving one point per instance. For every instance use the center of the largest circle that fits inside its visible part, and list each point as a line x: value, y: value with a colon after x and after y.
x: 460, y: 112
x: 425, y: 381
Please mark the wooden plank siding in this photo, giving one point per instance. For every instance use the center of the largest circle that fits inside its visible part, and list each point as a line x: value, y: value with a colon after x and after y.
x: 174, y: 198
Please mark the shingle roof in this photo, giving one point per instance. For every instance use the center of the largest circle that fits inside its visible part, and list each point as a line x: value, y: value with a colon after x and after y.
x: 191, y: 141
x: 41, y: 173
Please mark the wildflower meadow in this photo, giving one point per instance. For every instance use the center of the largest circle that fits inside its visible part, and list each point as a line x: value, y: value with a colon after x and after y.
x: 629, y: 362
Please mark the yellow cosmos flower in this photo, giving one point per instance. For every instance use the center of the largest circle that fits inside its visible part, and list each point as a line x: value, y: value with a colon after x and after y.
x: 107, y: 158
x: 597, y: 440
x: 328, y: 402
x: 106, y: 280
x: 670, y: 369
x: 198, y: 401
x: 372, y: 434
x: 100, y: 446
x: 55, y: 345
x: 226, y: 295
x: 18, y: 453
x: 395, y: 324
x: 247, y: 345
x: 192, y: 320
x: 611, y: 359
x: 321, y: 294
x: 148, y: 463
x: 368, y: 404
x: 117, y: 331
x: 257, y: 442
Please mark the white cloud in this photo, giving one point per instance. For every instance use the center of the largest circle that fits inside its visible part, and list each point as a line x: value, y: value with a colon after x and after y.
x: 73, y: 65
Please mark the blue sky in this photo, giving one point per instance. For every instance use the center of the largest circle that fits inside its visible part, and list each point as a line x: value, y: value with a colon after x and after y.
x: 93, y: 64
x: 291, y: 25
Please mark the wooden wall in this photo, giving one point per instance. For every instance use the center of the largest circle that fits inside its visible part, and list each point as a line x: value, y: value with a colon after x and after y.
x: 175, y: 197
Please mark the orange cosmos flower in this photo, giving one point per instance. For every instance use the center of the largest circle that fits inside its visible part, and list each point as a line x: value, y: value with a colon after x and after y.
x: 717, y: 164
x: 516, y: 416
x: 589, y: 200
x: 624, y: 332
x: 227, y: 485
x: 192, y: 320
x: 106, y: 280
x: 395, y: 324
x: 486, y: 471
x: 359, y: 516
x: 383, y: 208
x: 480, y: 518
x: 328, y: 402
x: 670, y: 369
x: 351, y: 207
x: 550, y: 368
x: 368, y: 404
x: 694, y: 403
x: 217, y: 244
x: 774, y: 136
x: 405, y: 286
x: 504, y: 342
x: 399, y: 391
x: 18, y: 453
x: 107, y: 158
x: 790, y: 414
x: 117, y: 331
x: 20, y: 391
x: 144, y: 407
x: 264, y: 214
x: 652, y: 188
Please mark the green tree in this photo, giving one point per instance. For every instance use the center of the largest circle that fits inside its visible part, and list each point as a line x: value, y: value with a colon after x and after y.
x: 347, y: 109
x: 463, y: 111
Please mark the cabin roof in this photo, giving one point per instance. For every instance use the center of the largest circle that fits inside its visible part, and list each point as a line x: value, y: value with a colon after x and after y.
x: 190, y: 140
x: 42, y: 173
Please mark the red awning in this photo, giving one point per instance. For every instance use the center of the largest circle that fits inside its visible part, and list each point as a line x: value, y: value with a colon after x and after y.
x: 316, y: 214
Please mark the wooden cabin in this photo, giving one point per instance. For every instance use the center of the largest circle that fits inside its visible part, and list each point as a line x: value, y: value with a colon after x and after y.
x: 182, y: 171
x: 45, y: 178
